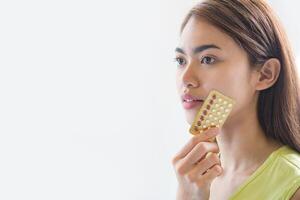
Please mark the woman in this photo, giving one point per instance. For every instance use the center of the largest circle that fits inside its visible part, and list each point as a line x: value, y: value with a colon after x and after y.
x: 239, y: 48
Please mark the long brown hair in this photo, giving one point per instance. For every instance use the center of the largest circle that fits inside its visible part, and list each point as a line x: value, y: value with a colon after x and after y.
x: 254, y: 26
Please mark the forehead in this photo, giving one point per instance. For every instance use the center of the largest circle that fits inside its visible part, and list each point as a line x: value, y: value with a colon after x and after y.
x: 198, y: 32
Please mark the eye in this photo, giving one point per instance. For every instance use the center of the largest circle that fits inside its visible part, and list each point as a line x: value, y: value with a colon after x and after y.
x: 180, y: 61
x: 207, y: 60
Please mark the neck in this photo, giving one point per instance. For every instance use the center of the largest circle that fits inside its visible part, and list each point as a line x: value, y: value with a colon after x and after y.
x: 243, y: 144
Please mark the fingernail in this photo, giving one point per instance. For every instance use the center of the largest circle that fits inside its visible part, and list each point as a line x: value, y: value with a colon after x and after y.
x: 212, y: 132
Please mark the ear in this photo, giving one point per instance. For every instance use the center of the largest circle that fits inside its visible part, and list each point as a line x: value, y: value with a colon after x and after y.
x: 268, y: 74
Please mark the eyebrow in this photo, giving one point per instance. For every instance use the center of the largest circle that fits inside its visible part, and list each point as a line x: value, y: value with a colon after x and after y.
x: 199, y: 48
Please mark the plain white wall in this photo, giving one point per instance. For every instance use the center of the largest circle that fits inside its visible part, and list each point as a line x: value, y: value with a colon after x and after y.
x: 88, y: 105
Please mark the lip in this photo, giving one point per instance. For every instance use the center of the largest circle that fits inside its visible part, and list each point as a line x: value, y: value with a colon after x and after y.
x: 192, y: 104
x: 197, y: 101
x: 190, y: 97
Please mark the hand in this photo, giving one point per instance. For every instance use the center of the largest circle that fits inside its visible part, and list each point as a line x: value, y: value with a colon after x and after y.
x: 196, y: 168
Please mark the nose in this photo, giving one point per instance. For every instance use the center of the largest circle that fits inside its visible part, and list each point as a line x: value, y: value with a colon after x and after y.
x: 189, y: 77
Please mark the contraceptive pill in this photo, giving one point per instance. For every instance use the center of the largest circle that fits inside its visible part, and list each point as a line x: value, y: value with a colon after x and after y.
x: 213, y: 113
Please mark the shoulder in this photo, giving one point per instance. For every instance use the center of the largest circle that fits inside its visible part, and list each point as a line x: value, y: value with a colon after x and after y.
x: 296, y: 195
x: 290, y: 157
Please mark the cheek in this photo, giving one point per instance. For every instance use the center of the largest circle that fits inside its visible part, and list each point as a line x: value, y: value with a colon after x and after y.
x: 239, y: 87
x: 232, y: 82
x: 223, y: 81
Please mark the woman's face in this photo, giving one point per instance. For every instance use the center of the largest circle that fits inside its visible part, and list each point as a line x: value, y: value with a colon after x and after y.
x: 209, y: 59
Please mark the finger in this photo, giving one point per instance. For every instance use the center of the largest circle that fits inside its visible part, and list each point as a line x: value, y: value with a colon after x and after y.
x: 198, y: 152
x: 209, y: 134
x: 203, y: 166
x: 209, y: 176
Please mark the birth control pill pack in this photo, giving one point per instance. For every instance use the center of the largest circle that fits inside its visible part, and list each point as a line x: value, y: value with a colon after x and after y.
x: 212, y: 113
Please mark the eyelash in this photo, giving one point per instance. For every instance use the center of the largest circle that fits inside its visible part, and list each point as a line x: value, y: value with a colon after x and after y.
x: 202, y: 58
x: 177, y: 60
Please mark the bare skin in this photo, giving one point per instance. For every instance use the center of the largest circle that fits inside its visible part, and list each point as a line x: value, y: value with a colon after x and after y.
x: 241, y: 141
x: 194, y: 170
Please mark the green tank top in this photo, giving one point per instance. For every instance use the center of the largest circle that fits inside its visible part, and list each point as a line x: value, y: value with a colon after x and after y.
x: 278, y: 178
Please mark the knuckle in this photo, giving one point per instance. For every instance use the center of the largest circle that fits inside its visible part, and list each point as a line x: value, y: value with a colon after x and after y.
x: 216, y: 170
x: 174, y: 160
x: 214, y: 158
x: 180, y: 169
x: 202, y: 147
x: 215, y: 146
x: 194, y: 140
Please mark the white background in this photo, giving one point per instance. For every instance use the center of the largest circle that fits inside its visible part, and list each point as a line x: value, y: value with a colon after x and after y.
x: 88, y: 104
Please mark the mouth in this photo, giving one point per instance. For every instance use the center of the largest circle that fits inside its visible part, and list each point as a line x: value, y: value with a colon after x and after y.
x: 190, y: 104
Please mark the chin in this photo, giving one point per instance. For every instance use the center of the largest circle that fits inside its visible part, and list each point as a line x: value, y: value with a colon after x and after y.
x: 190, y: 116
